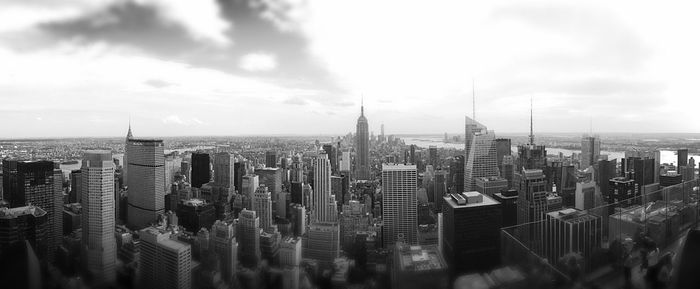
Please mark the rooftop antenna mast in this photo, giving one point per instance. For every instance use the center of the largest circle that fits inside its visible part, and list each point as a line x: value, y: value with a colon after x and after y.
x: 532, y: 134
x: 473, y: 101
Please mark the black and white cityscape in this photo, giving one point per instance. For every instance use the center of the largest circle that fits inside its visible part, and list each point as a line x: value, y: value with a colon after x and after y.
x: 304, y: 144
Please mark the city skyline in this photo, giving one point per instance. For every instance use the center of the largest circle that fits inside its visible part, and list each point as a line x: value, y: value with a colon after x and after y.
x: 306, y: 57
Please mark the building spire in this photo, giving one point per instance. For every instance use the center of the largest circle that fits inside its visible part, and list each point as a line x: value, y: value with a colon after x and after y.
x: 473, y: 101
x: 532, y: 134
x: 128, y: 134
x: 362, y: 106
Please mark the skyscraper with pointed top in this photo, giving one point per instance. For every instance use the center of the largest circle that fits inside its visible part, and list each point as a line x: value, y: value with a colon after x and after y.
x: 531, y: 156
x: 129, y: 136
x: 362, y: 165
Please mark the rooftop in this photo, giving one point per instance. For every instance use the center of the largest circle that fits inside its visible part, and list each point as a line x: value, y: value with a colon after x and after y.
x: 486, y: 200
x: 420, y: 258
x: 397, y: 167
x: 194, y: 202
x: 7, y: 213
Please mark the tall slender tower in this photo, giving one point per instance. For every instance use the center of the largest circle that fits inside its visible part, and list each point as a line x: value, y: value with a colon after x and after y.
x: 99, y: 248
x: 322, y: 190
x: 147, y: 186
x: 262, y: 204
x: 125, y: 160
x: 530, y: 155
x: 362, y: 146
x: 400, y: 204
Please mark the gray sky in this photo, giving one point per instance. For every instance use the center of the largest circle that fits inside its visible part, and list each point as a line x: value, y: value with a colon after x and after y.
x: 182, y: 67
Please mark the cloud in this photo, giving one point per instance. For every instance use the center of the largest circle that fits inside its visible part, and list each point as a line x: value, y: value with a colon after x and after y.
x: 295, y: 101
x: 252, y: 26
x: 174, y: 119
x: 157, y: 83
x: 255, y: 62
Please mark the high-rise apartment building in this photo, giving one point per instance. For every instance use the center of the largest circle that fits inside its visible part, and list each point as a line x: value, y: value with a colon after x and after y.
x: 400, y: 204
x: 146, y: 198
x: 39, y: 184
x: 97, y: 218
x: 362, y: 164
x: 590, y: 150
x: 164, y: 261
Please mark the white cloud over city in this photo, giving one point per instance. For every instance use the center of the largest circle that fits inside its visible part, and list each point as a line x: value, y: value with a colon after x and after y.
x: 82, y: 68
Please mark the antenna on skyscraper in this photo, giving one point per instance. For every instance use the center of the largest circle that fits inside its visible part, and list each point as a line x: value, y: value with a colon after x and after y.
x: 590, y: 125
x: 473, y: 101
x: 532, y: 134
x: 362, y: 105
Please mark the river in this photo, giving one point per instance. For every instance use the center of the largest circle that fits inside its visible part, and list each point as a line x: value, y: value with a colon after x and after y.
x: 67, y: 168
x: 668, y: 157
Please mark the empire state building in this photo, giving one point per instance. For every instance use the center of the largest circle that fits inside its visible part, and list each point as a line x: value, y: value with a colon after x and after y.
x: 362, y: 147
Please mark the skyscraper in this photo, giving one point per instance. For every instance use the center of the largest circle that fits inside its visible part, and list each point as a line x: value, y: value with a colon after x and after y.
x: 362, y: 165
x: 457, y: 174
x: 322, y: 210
x: 503, y: 148
x: 272, y: 179
x: 433, y: 156
x: 201, y: 169
x: 125, y: 160
x: 24, y: 224
x: 35, y: 183
x: 250, y: 184
x: 682, y: 158
x: 471, y: 228
x: 164, y: 262
x: 590, y: 150
x: 270, y: 159
x: 480, y: 159
x: 146, y: 186
x: 97, y: 218
x: 224, y: 171
x: 400, y: 204
x: 289, y: 260
x: 194, y: 214
x: 249, y: 238
x: 238, y: 173
x: 572, y: 230
x: 223, y: 241
x: 262, y: 204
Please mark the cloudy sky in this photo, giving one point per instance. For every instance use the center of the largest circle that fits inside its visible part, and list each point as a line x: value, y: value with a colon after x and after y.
x: 229, y: 67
